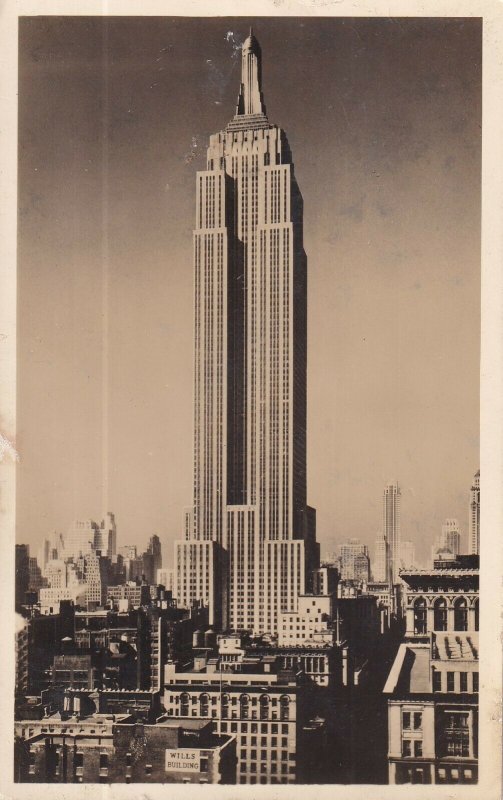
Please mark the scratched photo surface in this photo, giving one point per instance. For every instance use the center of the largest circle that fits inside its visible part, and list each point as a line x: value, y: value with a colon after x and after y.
x: 248, y: 503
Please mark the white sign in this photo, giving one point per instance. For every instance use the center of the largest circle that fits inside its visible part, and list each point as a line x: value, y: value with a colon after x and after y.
x: 183, y: 760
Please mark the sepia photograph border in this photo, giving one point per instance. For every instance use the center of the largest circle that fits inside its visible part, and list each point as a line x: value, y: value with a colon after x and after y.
x: 491, y: 460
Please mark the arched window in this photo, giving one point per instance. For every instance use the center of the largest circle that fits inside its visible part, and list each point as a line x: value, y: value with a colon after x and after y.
x: 284, y: 706
x: 420, y: 615
x: 440, y: 614
x: 264, y: 706
x: 244, y: 702
x: 184, y: 704
x: 225, y: 706
x: 204, y: 705
x: 460, y: 614
x: 476, y: 607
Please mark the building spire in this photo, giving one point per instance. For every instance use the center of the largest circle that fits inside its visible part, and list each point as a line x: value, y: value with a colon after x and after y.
x: 250, y: 100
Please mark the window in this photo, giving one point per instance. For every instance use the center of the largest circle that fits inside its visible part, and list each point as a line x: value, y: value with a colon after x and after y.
x: 225, y: 706
x: 440, y: 614
x: 406, y: 748
x: 406, y: 720
x: 475, y: 680
x: 264, y: 707
x: 418, y: 748
x: 420, y: 615
x: 245, y: 706
x: 476, y: 607
x: 463, y: 681
x: 284, y: 707
x: 454, y: 734
x: 437, y: 681
x: 450, y: 681
x: 204, y: 701
x: 418, y: 720
x: 461, y: 614
x: 184, y: 704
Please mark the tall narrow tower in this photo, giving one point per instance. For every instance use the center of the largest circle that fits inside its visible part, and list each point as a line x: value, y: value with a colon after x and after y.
x: 391, y: 525
x: 249, y: 541
x: 474, y: 518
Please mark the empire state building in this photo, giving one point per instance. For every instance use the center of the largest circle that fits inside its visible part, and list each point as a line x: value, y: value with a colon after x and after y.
x: 249, y: 541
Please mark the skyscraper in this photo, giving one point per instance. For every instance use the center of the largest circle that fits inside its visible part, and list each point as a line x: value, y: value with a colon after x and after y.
x: 474, y: 518
x: 381, y: 563
x: 407, y: 555
x: 249, y: 536
x: 450, y: 537
x: 391, y: 525
x: 154, y: 548
x: 106, y: 536
x: 349, y: 550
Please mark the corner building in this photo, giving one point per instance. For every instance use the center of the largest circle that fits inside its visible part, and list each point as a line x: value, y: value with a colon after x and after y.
x: 249, y: 543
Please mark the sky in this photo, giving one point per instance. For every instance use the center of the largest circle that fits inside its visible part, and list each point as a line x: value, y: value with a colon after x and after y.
x: 384, y: 120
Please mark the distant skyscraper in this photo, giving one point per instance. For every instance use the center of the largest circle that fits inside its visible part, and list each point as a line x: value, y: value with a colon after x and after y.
x: 154, y: 547
x: 407, y: 554
x: 106, y: 536
x: 348, y: 551
x: 474, y: 518
x: 165, y: 577
x: 249, y: 537
x: 381, y: 563
x: 391, y: 525
x: 450, y: 537
x: 362, y: 567
x: 80, y: 539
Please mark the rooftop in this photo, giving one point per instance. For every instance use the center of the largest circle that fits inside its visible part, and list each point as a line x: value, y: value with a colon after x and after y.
x: 456, y: 646
x: 410, y: 672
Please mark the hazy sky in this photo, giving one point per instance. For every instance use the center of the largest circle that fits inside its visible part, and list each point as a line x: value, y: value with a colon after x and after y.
x: 384, y: 121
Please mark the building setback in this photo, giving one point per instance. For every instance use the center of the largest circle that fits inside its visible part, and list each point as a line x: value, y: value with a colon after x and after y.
x: 249, y: 544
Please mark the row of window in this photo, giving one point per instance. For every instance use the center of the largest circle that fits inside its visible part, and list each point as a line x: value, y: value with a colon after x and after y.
x: 254, y: 727
x: 440, y: 615
x: 448, y: 683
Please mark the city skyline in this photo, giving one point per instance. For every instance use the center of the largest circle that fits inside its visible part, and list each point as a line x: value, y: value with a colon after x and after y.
x: 354, y: 445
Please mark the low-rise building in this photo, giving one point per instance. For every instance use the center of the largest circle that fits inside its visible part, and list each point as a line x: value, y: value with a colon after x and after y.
x: 265, y: 707
x: 433, y: 685
x: 102, y: 748
x: 441, y: 599
x: 133, y: 594
x: 432, y: 694
x: 311, y: 624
